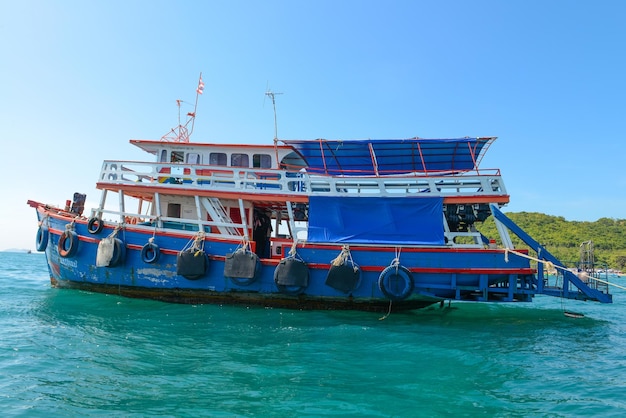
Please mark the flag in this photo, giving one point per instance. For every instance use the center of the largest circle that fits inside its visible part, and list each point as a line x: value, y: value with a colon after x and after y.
x: 200, y: 88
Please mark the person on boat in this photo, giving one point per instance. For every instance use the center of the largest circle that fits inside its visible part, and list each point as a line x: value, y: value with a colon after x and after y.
x: 261, y: 233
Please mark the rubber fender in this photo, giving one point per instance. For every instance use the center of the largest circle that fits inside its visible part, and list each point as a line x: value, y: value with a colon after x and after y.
x: 119, y: 253
x: 68, y: 244
x: 150, y: 253
x: 42, y: 238
x: 396, y: 282
x: 95, y: 225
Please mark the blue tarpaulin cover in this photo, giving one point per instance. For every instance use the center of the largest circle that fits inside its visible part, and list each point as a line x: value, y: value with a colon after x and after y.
x: 391, y: 156
x: 376, y: 220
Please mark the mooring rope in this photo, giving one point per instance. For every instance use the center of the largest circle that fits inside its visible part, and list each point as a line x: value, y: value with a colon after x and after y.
x: 551, y: 265
x: 394, y: 263
x: 382, y: 318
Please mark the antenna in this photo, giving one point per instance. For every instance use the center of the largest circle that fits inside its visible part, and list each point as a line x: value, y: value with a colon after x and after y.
x: 271, y: 94
x: 181, y: 133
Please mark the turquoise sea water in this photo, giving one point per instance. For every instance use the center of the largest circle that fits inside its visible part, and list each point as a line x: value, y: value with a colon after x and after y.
x: 78, y: 354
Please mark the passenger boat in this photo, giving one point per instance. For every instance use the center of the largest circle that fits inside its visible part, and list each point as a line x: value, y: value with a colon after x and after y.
x: 374, y: 225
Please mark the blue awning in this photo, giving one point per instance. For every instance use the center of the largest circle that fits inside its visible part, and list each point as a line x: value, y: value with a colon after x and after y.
x: 376, y: 220
x: 391, y: 156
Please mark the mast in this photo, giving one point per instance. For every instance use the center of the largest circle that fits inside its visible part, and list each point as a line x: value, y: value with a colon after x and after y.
x: 181, y: 133
x: 272, y: 95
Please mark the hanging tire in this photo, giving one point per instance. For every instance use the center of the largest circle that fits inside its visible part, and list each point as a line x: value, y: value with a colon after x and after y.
x: 291, y: 276
x: 68, y: 244
x: 95, y: 225
x: 242, y: 267
x: 192, y: 264
x: 42, y: 238
x: 119, y: 253
x: 345, y: 277
x: 396, y: 282
x: 150, y: 253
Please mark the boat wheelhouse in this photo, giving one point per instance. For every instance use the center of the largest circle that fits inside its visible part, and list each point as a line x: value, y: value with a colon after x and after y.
x: 306, y: 224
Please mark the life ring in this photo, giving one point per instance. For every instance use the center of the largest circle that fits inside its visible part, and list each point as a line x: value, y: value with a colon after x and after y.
x: 396, y: 282
x: 68, y: 244
x: 150, y: 253
x: 42, y: 238
x: 119, y: 253
x: 98, y: 223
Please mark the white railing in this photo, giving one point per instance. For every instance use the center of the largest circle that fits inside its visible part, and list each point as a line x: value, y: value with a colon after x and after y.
x: 260, y: 181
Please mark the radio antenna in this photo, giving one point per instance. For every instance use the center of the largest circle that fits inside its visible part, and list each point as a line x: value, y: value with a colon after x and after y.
x: 272, y: 95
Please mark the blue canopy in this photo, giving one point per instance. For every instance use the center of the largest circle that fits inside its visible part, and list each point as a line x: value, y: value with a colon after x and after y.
x: 390, y: 156
x: 376, y: 220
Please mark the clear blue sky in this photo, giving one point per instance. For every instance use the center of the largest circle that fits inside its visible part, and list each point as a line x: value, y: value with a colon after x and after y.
x: 80, y: 78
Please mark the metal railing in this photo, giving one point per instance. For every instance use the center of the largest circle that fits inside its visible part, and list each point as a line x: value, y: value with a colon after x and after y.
x: 257, y: 180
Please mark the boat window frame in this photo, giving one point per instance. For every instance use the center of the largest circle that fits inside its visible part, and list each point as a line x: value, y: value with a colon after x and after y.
x: 237, y: 159
x: 261, y: 161
x: 218, y: 158
x: 193, y: 156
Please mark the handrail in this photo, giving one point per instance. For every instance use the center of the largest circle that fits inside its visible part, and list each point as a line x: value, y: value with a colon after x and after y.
x: 543, y: 254
x: 271, y: 181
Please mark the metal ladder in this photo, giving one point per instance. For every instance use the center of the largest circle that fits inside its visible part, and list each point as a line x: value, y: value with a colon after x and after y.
x: 218, y: 213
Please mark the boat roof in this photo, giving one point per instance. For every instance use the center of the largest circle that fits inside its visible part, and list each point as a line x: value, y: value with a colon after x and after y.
x: 391, y: 156
x: 153, y: 146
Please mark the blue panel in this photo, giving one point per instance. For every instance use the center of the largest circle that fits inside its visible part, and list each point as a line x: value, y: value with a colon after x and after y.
x: 390, y: 156
x: 379, y: 220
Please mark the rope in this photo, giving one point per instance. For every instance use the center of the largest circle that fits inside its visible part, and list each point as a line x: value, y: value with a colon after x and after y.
x: 382, y: 318
x: 554, y: 267
x: 45, y: 219
x: 396, y: 261
x: 156, y: 222
x: 342, y: 257
x: 198, y: 242
x: 244, y: 245
x: 71, y: 225
x: 609, y: 283
x: 195, y: 244
x: 115, y: 231
x: 292, y: 250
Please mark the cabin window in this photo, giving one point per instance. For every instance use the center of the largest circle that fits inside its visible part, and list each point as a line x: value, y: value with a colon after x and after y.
x: 173, y: 210
x: 261, y: 161
x: 177, y: 157
x: 163, y: 157
x: 217, y: 158
x: 193, y: 158
x: 239, y: 160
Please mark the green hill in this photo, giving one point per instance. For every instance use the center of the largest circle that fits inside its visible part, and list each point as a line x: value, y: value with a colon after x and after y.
x: 563, y: 238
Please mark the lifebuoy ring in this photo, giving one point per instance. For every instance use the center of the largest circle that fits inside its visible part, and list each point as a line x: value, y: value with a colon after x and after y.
x: 98, y: 223
x: 119, y: 253
x: 396, y: 282
x: 42, y: 238
x: 150, y: 253
x: 68, y: 244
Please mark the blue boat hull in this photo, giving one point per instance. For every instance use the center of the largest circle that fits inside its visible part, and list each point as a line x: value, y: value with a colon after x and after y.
x: 434, y: 274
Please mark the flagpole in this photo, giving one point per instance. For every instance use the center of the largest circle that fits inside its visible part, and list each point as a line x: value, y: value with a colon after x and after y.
x: 198, y: 93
